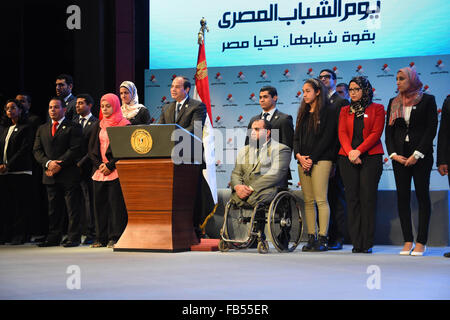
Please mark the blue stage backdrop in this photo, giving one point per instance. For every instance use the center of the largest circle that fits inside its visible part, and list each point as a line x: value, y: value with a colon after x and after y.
x: 282, y: 43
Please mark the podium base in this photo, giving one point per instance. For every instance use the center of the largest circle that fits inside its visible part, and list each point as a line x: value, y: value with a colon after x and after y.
x: 206, y: 245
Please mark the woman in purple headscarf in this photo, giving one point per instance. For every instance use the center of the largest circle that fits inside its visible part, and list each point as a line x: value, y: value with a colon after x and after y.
x: 410, y: 130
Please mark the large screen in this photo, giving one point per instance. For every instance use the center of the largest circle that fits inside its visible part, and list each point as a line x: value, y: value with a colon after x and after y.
x: 290, y: 31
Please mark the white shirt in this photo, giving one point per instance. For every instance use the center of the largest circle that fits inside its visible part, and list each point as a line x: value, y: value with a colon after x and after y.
x: 86, y: 121
x: 59, y: 123
x: 269, y: 117
x: 176, y: 104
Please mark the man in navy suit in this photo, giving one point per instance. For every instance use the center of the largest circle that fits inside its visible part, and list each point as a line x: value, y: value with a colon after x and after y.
x: 282, y: 123
x: 336, y: 196
x: 64, y: 86
x: 57, y: 150
x: 86, y: 120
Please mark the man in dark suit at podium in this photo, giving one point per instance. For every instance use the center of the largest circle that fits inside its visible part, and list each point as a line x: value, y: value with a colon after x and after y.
x: 189, y: 114
x: 86, y: 120
x: 57, y: 150
x: 184, y: 111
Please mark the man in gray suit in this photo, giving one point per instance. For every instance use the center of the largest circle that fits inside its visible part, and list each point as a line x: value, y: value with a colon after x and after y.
x: 261, y: 167
x: 184, y: 111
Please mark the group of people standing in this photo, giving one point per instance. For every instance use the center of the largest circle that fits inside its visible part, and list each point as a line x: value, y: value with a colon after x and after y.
x: 71, y: 154
x: 337, y: 145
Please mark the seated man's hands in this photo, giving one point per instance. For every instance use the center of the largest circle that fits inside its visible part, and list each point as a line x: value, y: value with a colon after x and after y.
x: 243, y: 191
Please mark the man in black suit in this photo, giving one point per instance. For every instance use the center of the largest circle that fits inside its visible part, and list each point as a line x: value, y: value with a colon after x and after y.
x: 86, y: 120
x: 64, y: 86
x: 282, y: 123
x: 443, y: 147
x: 33, y: 120
x: 189, y: 114
x: 184, y: 111
x: 342, y: 90
x: 336, y: 196
x: 57, y: 150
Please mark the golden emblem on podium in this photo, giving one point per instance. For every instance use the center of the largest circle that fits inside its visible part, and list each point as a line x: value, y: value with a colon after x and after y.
x: 141, y: 141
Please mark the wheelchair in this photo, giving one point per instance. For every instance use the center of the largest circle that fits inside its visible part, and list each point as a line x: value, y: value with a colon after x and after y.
x: 281, y: 217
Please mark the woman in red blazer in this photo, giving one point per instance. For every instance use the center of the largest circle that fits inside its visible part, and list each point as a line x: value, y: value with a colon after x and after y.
x: 360, y: 161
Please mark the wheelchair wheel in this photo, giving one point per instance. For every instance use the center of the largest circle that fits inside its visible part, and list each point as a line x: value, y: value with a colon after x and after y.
x: 284, y: 222
x: 236, y: 230
x: 223, y: 246
x: 263, y: 247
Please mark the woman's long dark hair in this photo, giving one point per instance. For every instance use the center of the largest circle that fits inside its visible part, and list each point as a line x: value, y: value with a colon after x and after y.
x: 6, y: 122
x: 322, y: 101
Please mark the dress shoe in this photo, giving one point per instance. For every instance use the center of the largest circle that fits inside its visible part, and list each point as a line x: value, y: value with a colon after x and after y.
x: 111, y: 243
x: 97, y: 245
x: 16, y: 241
x: 406, y: 253
x: 311, y: 243
x: 88, y: 240
x: 321, y: 244
x: 419, y: 253
x: 367, y: 250
x: 335, y: 245
x: 447, y: 254
x: 356, y: 250
x: 71, y: 244
x: 48, y: 244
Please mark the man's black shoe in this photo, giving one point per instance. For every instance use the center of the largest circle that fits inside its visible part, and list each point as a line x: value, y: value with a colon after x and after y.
x: 88, y: 240
x: 48, y: 244
x: 336, y: 245
x: 70, y: 244
x: 447, y: 254
x: 321, y: 244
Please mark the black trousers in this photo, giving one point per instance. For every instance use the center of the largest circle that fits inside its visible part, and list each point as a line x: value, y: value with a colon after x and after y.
x: 420, y: 173
x: 15, y: 206
x: 64, y: 198
x: 361, y: 187
x: 337, y: 230
x: 87, y: 219
x: 110, y: 211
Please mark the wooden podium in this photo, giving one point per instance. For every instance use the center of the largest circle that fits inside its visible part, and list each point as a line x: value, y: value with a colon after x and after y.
x: 159, y: 185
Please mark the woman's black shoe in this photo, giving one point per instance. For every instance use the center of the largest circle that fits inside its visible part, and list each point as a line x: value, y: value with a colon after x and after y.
x: 311, y: 243
x: 367, y: 250
x: 322, y: 244
x: 356, y: 250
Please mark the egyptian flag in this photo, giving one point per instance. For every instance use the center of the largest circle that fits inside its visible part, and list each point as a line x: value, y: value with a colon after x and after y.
x: 209, y: 186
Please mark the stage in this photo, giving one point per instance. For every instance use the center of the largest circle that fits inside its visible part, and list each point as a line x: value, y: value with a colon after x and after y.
x: 31, y: 273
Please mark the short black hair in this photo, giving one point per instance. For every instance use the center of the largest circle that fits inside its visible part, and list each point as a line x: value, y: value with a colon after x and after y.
x: 63, y: 103
x: 267, y: 124
x: 87, y: 98
x: 27, y: 95
x: 342, y: 84
x: 272, y: 90
x: 186, y: 82
x: 68, y: 78
x: 333, y: 74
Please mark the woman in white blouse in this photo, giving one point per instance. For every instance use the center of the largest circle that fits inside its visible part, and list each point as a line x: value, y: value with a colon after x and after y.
x: 410, y: 130
x: 16, y: 140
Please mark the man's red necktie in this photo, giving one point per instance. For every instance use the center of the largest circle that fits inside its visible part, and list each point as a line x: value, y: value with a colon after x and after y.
x: 54, y: 127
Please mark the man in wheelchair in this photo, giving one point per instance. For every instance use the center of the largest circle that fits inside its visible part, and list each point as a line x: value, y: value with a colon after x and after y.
x: 261, y: 168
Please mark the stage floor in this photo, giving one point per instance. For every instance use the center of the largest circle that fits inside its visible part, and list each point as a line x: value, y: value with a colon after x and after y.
x: 29, y: 272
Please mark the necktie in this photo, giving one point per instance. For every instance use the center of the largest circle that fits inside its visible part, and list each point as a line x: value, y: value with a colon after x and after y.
x: 177, y: 111
x: 265, y: 115
x: 54, y: 127
x: 82, y: 120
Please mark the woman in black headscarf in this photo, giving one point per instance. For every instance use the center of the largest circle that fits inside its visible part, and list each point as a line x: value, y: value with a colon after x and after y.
x: 360, y: 161
x: 16, y: 140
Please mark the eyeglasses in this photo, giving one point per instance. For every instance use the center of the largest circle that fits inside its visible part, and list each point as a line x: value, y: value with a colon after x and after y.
x: 354, y: 90
x: 325, y: 76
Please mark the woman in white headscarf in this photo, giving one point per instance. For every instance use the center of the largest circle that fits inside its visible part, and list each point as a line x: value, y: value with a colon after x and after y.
x: 131, y: 109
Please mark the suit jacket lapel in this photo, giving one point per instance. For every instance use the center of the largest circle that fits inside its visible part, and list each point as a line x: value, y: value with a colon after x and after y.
x: 183, y: 108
